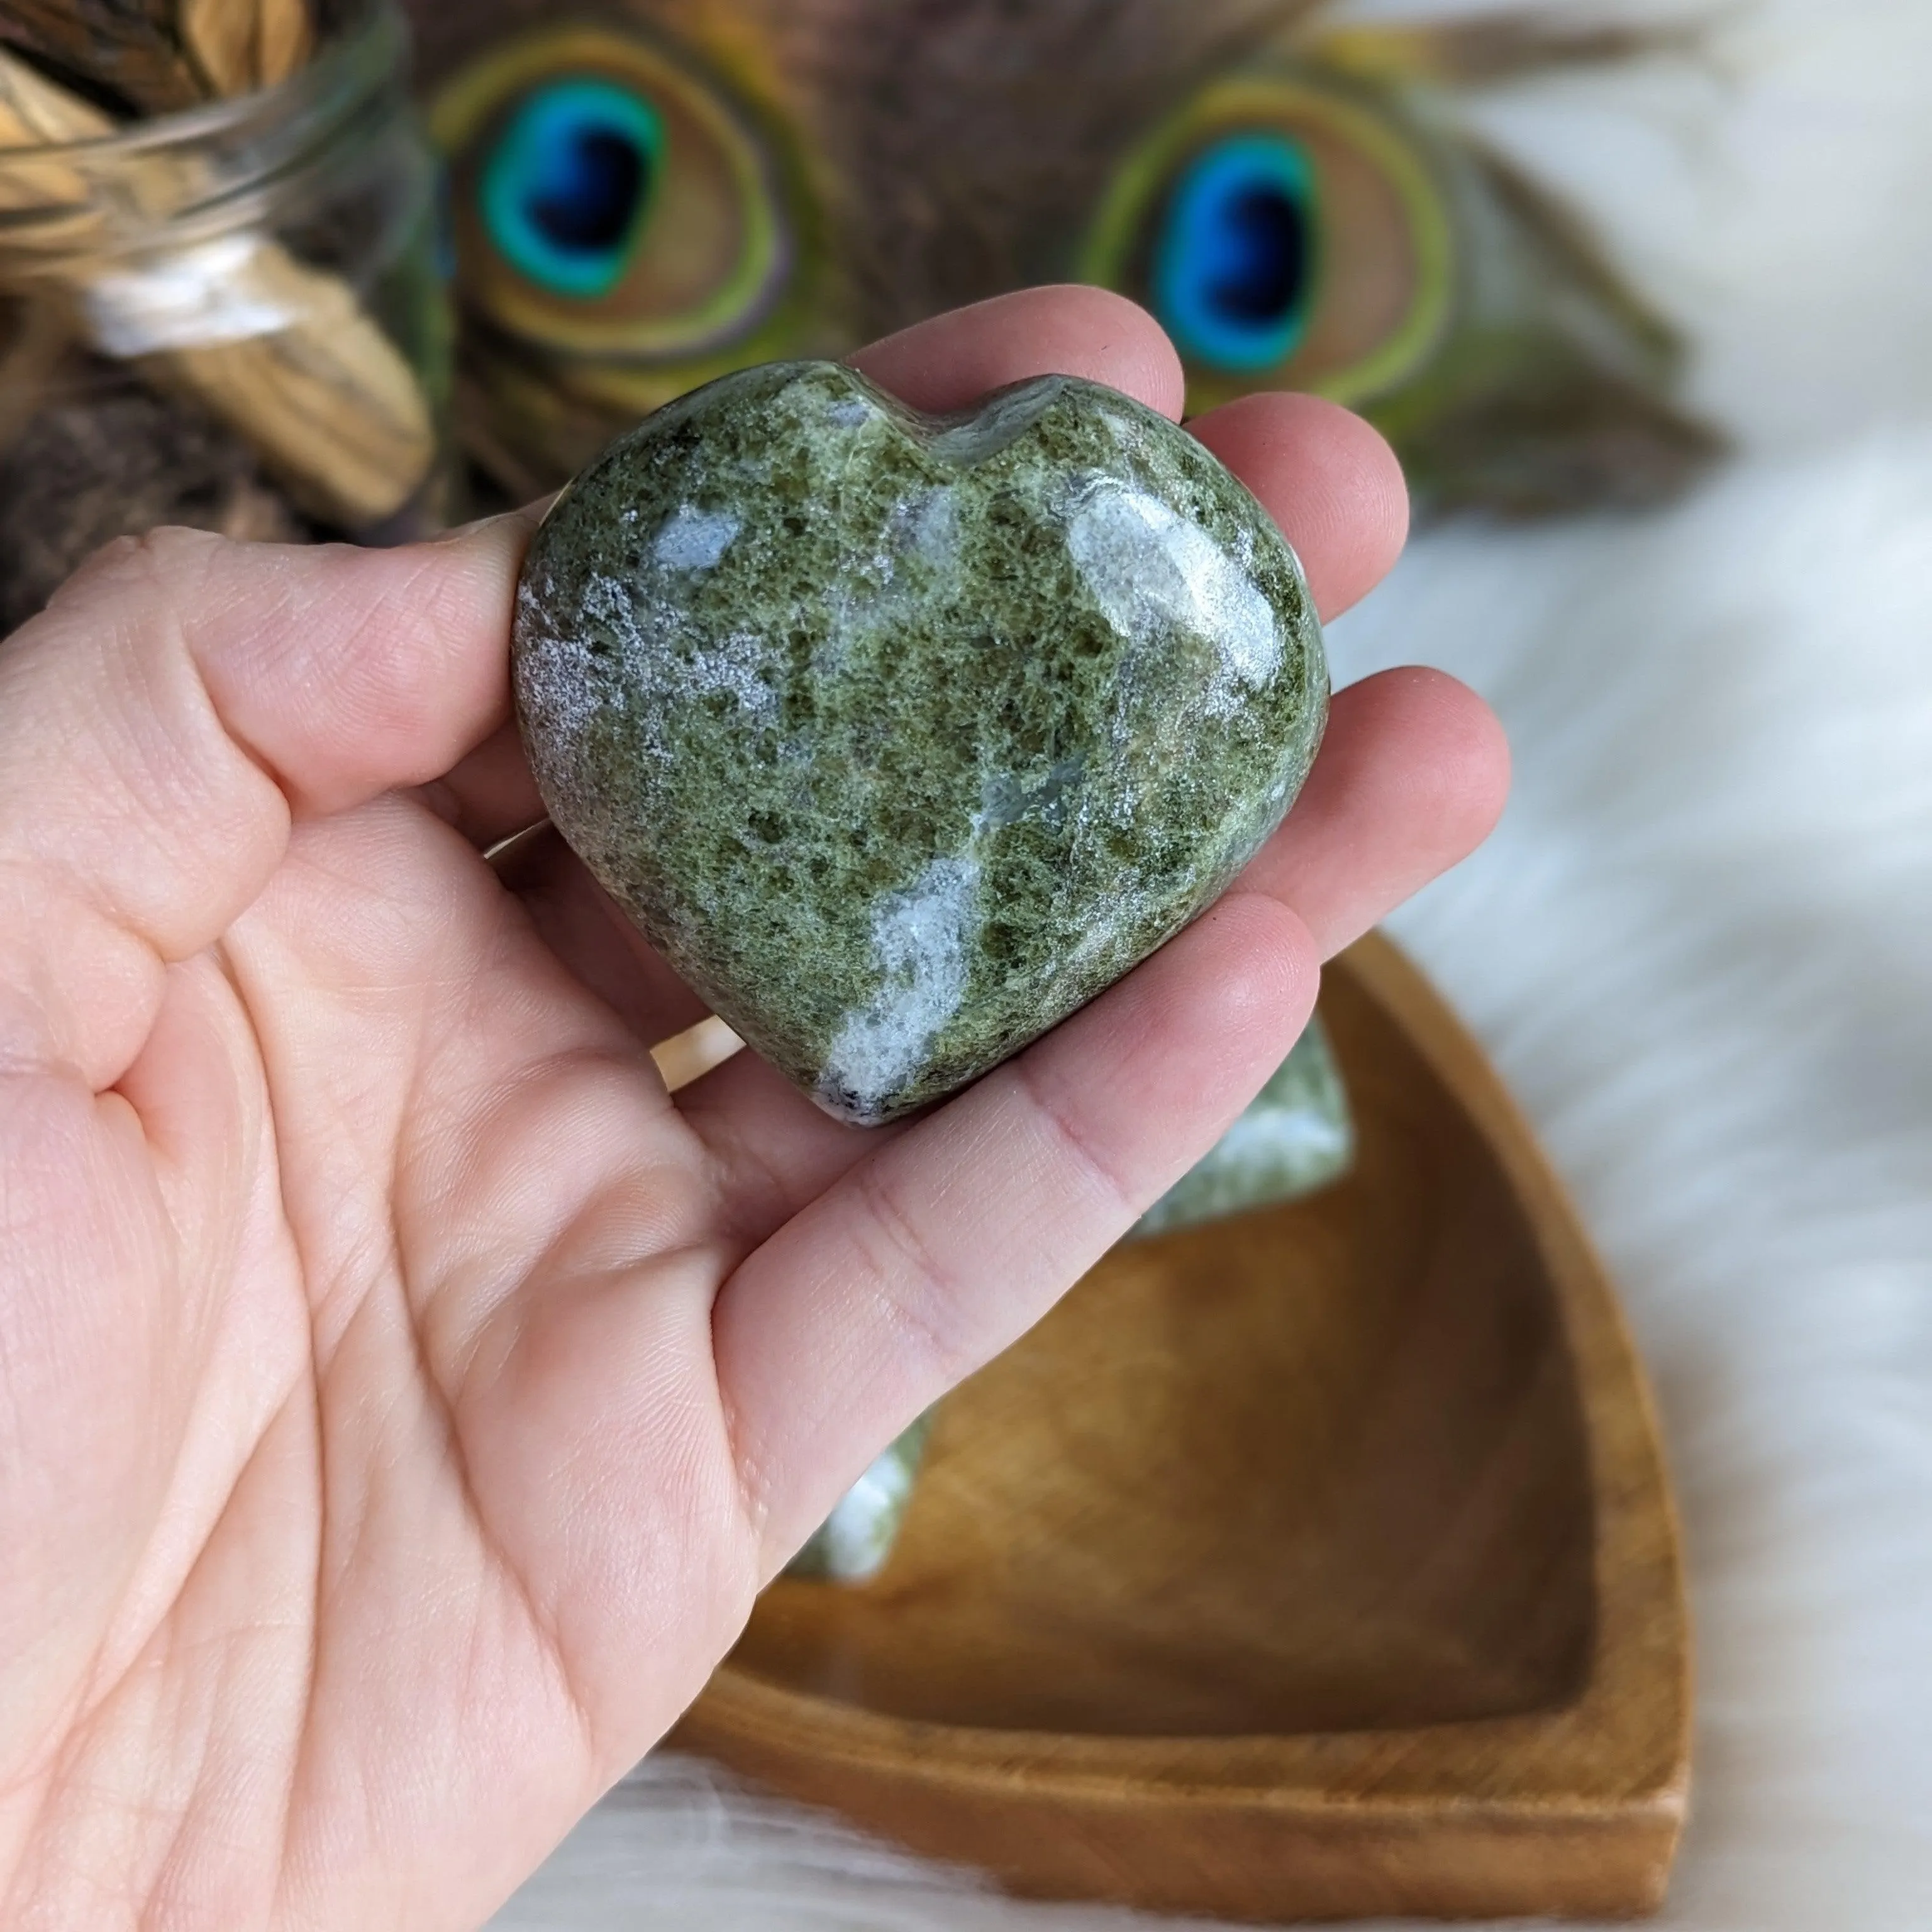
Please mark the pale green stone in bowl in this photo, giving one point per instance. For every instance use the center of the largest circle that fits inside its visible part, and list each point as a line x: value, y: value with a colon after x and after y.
x: 1295, y: 1136
x: 851, y: 1545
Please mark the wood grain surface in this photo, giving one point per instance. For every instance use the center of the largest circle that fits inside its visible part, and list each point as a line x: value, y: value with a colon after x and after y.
x: 1318, y: 1563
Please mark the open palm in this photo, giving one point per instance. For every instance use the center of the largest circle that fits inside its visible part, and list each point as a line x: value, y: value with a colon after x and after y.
x: 402, y: 1397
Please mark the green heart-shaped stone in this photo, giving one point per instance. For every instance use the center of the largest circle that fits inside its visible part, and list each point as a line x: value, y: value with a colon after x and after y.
x: 901, y: 736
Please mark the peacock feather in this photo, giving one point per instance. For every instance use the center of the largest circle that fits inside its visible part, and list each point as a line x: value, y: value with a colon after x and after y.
x: 646, y: 194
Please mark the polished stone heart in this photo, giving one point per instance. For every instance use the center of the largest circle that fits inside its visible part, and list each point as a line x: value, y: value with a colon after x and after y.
x: 901, y: 736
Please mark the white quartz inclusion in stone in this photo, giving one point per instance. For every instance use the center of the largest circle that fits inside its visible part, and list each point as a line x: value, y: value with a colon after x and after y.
x: 1153, y: 571
x: 919, y: 940
x: 690, y: 538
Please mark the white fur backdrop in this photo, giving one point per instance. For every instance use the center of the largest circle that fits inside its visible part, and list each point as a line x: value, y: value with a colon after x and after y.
x: 1700, y: 949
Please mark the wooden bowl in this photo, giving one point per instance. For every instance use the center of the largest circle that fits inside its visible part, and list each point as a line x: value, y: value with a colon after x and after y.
x: 1317, y: 1563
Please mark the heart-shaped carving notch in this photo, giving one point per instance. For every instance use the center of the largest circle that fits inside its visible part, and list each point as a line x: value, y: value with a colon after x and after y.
x: 901, y: 736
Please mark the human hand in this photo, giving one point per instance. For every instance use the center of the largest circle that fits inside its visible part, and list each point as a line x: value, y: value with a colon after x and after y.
x: 402, y: 1398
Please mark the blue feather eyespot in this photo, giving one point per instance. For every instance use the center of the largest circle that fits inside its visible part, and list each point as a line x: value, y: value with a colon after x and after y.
x: 1233, y: 272
x: 615, y: 204
x: 566, y: 190
x: 1289, y: 231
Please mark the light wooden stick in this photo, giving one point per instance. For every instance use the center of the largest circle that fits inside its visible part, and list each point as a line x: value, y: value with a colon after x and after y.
x: 128, y: 45
x: 284, y: 38
x: 34, y: 112
x: 304, y: 373
x: 31, y: 349
x: 240, y: 44
x: 220, y: 37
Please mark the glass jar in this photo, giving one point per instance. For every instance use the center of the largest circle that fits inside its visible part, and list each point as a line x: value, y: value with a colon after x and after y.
x: 231, y: 316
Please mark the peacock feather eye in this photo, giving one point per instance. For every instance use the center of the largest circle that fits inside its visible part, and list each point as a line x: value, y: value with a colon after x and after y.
x: 565, y: 191
x: 1234, y: 270
x: 1286, y: 233
x: 610, y: 199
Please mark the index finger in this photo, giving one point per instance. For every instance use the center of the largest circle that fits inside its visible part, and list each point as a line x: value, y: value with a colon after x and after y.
x: 169, y: 713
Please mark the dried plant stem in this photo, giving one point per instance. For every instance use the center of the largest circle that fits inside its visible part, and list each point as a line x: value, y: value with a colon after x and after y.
x: 220, y: 34
x: 240, y: 44
x: 34, y: 112
x: 129, y: 45
x: 324, y: 395
x: 284, y: 38
x: 329, y: 401
x: 33, y: 343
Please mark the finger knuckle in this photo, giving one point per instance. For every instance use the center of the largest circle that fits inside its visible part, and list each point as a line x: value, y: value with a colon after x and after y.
x: 920, y: 1293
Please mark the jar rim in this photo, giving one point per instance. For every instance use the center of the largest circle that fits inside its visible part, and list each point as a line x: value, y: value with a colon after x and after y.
x: 368, y: 44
